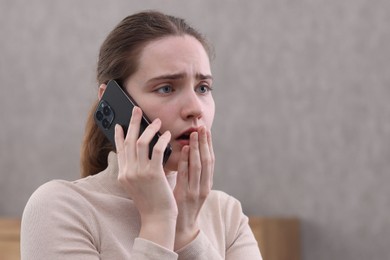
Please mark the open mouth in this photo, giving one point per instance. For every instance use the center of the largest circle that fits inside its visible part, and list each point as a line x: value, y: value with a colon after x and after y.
x: 186, y: 135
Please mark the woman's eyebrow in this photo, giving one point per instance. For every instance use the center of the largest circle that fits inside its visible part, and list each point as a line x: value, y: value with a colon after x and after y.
x: 177, y: 76
x: 202, y: 76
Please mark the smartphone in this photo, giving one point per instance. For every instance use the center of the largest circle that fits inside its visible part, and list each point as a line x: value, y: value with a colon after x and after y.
x: 115, y: 107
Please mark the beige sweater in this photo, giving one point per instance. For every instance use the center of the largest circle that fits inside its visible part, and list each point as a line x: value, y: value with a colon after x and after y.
x: 94, y: 218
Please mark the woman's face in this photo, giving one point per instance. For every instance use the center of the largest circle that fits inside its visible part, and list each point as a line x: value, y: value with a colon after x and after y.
x: 173, y: 83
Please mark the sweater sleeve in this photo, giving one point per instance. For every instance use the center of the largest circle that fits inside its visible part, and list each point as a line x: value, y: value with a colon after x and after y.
x: 147, y: 250
x: 241, y: 243
x: 199, y: 249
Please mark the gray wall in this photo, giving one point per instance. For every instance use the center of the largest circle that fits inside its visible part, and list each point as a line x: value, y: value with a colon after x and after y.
x: 303, y: 113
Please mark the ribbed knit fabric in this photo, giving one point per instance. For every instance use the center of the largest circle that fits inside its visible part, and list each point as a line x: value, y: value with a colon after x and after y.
x: 94, y: 218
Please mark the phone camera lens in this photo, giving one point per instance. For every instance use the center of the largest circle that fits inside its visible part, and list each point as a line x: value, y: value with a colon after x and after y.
x: 106, y: 111
x: 105, y: 123
x: 99, y: 115
x: 104, y: 115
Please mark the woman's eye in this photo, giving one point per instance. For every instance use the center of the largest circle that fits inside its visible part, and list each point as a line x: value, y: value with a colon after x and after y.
x: 203, y: 89
x: 165, y: 89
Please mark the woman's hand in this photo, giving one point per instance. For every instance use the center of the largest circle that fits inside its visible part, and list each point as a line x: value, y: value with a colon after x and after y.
x: 145, y: 180
x: 194, y: 182
x: 167, y: 218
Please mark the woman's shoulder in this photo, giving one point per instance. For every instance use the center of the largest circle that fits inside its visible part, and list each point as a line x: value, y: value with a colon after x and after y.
x: 53, y: 194
x: 222, y: 215
x: 56, y: 211
x: 56, y: 188
x: 57, y: 184
x: 57, y: 203
x: 223, y: 201
x: 222, y: 197
x: 60, y: 191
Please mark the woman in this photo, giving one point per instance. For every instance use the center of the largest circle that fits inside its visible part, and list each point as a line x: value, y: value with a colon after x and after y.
x: 129, y: 206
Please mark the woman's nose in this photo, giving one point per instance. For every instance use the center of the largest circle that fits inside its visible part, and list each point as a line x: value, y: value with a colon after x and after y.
x: 192, y: 107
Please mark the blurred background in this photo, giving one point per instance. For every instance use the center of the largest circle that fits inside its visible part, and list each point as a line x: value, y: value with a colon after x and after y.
x: 302, y: 89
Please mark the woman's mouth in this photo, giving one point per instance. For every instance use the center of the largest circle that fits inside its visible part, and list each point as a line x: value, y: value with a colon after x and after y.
x: 184, y: 138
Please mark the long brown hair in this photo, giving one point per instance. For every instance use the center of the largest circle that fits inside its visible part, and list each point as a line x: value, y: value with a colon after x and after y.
x: 118, y: 59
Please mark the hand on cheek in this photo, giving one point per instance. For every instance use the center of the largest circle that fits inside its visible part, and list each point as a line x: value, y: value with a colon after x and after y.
x: 194, y: 182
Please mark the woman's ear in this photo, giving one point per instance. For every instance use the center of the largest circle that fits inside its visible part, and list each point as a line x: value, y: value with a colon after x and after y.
x: 102, y: 88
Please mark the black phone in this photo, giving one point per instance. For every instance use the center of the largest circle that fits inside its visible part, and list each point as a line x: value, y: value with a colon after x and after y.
x: 115, y: 107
